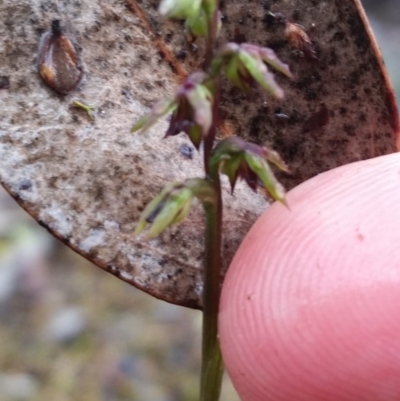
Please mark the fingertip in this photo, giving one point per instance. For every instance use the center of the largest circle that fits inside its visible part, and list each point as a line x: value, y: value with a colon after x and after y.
x: 310, y: 304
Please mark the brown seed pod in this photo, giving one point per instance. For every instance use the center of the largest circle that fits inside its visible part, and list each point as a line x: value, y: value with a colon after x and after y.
x: 58, y: 61
x: 299, y: 39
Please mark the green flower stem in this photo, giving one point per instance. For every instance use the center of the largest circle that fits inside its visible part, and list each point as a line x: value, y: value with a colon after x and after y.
x: 210, y: 138
x: 212, y: 366
x: 213, y: 22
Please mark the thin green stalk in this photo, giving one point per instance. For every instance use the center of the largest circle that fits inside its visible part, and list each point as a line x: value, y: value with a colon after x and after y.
x: 212, y: 36
x: 210, y: 48
x: 212, y: 367
x: 210, y: 138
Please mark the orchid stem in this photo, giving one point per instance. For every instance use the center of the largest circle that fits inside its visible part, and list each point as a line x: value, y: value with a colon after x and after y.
x: 212, y: 367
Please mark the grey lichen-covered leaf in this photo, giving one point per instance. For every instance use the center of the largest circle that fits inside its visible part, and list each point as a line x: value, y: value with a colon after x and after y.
x: 88, y: 181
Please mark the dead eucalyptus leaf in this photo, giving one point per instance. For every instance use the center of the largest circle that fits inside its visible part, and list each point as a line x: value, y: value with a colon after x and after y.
x: 88, y: 181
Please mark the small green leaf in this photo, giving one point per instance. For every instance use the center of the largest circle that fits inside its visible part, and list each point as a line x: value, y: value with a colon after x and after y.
x: 173, y: 204
x: 174, y: 210
x: 275, y: 158
x: 196, y: 135
x: 258, y: 70
x: 150, y: 208
x: 265, y: 174
x: 171, y: 212
x: 224, y: 152
x: 141, y: 123
x: 179, y: 9
x: 270, y: 57
x: 159, y: 109
x: 209, y: 6
x: 200, y: 98
x: 232, y: 72
x: 193, y: 108
x: 197, y: 24
x: 182, y: 213
x: 216, y: 66
x: 231, y: 168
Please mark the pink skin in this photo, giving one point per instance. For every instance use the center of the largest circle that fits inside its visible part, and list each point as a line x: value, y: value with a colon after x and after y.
x: 310, y: 307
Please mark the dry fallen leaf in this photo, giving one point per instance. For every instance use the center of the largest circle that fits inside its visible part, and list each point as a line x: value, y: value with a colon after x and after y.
x: 87, y: 182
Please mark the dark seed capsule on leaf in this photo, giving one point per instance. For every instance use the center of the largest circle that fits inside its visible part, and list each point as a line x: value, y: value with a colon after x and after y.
x: 58, y: 61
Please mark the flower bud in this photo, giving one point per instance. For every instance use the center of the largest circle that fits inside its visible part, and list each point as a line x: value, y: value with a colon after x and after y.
x: 173, y: 204
x: 159, y: 109
x: 191, y: 110
x: 193, y: 114
x: 240, y: 159
x: 170, y: 207
x: 245, y: 66
x: 179, y: 9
